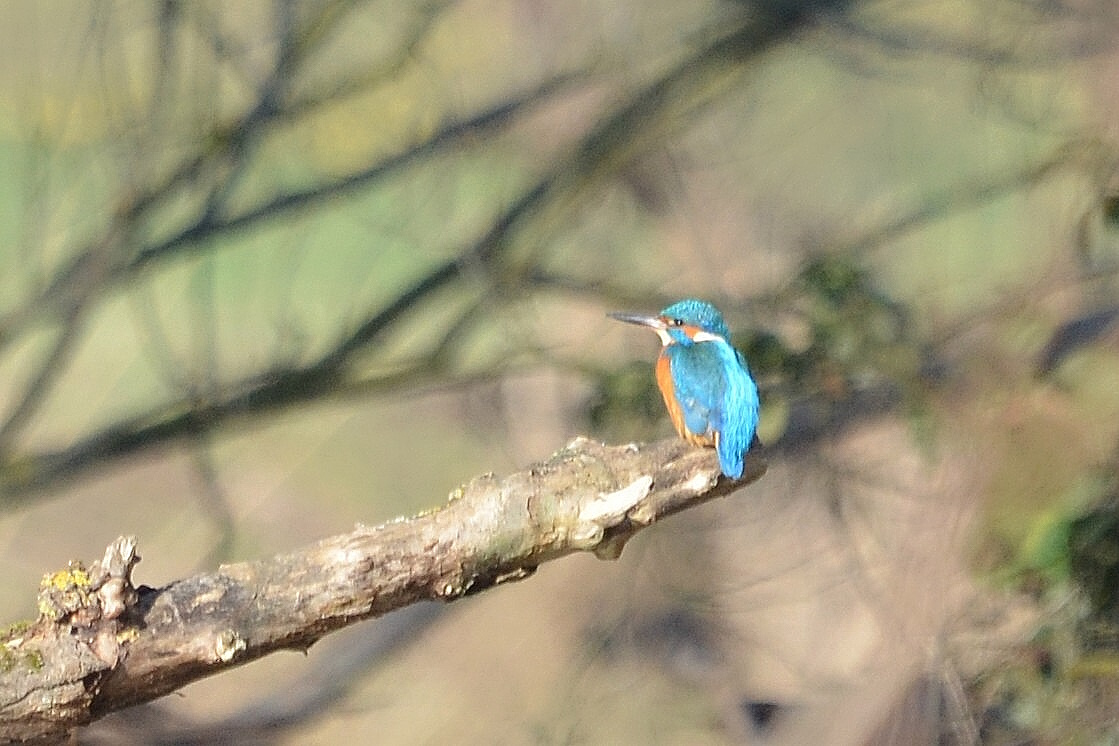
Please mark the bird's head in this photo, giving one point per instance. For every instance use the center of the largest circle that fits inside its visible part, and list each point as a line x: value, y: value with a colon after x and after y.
x: 684, y: 322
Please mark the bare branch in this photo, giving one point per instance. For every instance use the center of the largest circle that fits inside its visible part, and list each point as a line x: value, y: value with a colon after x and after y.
x: 100, y: 645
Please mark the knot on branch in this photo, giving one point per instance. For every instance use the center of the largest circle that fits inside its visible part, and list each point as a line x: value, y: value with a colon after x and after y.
x: 85, y: 603
x: 79, y: 597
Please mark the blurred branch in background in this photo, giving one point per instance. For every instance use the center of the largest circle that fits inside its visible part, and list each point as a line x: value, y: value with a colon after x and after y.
x: 645, y: 119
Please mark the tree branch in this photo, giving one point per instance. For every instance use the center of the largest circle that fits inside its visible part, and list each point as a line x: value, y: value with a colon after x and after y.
x: 100, y: 645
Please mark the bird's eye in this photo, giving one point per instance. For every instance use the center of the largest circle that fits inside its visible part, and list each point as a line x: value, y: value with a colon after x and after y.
x: 676, y: 322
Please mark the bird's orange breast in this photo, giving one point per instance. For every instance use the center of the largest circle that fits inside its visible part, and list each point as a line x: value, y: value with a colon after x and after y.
x: 675, y: 411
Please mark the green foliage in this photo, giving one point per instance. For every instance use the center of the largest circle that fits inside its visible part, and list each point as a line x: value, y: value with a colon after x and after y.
x: 626, y: 404
x: 1059, y: 685
x: 1093, y: 558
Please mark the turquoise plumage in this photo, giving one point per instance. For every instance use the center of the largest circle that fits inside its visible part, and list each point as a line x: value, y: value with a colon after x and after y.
x: 706, y: 385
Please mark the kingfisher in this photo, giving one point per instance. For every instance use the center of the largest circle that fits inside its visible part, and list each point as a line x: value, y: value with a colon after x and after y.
x: 707, y: 388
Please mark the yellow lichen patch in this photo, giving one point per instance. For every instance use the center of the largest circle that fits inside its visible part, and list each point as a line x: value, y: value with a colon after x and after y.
x: 10, y: 658
x: 74, y: 576
x: 33, y: 659
x: 14, y: 630
x: 128, y: 634
x: 63, y: 592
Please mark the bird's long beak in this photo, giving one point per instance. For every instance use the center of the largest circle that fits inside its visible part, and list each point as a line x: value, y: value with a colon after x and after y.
x: 641, y: 319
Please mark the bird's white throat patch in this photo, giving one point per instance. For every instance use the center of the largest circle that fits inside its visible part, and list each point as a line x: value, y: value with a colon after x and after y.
x: 707, y: 337
x: 699, y: 336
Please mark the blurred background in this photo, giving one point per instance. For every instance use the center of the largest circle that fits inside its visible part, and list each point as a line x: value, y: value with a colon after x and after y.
x: 274, y: 268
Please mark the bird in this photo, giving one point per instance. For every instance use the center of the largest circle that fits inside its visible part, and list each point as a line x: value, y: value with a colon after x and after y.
x: 707, y: 387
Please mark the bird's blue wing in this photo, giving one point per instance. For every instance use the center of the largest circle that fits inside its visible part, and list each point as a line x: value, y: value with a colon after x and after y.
x: 718, y: 398
x: 740, y: 404
x: 699, y: 383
